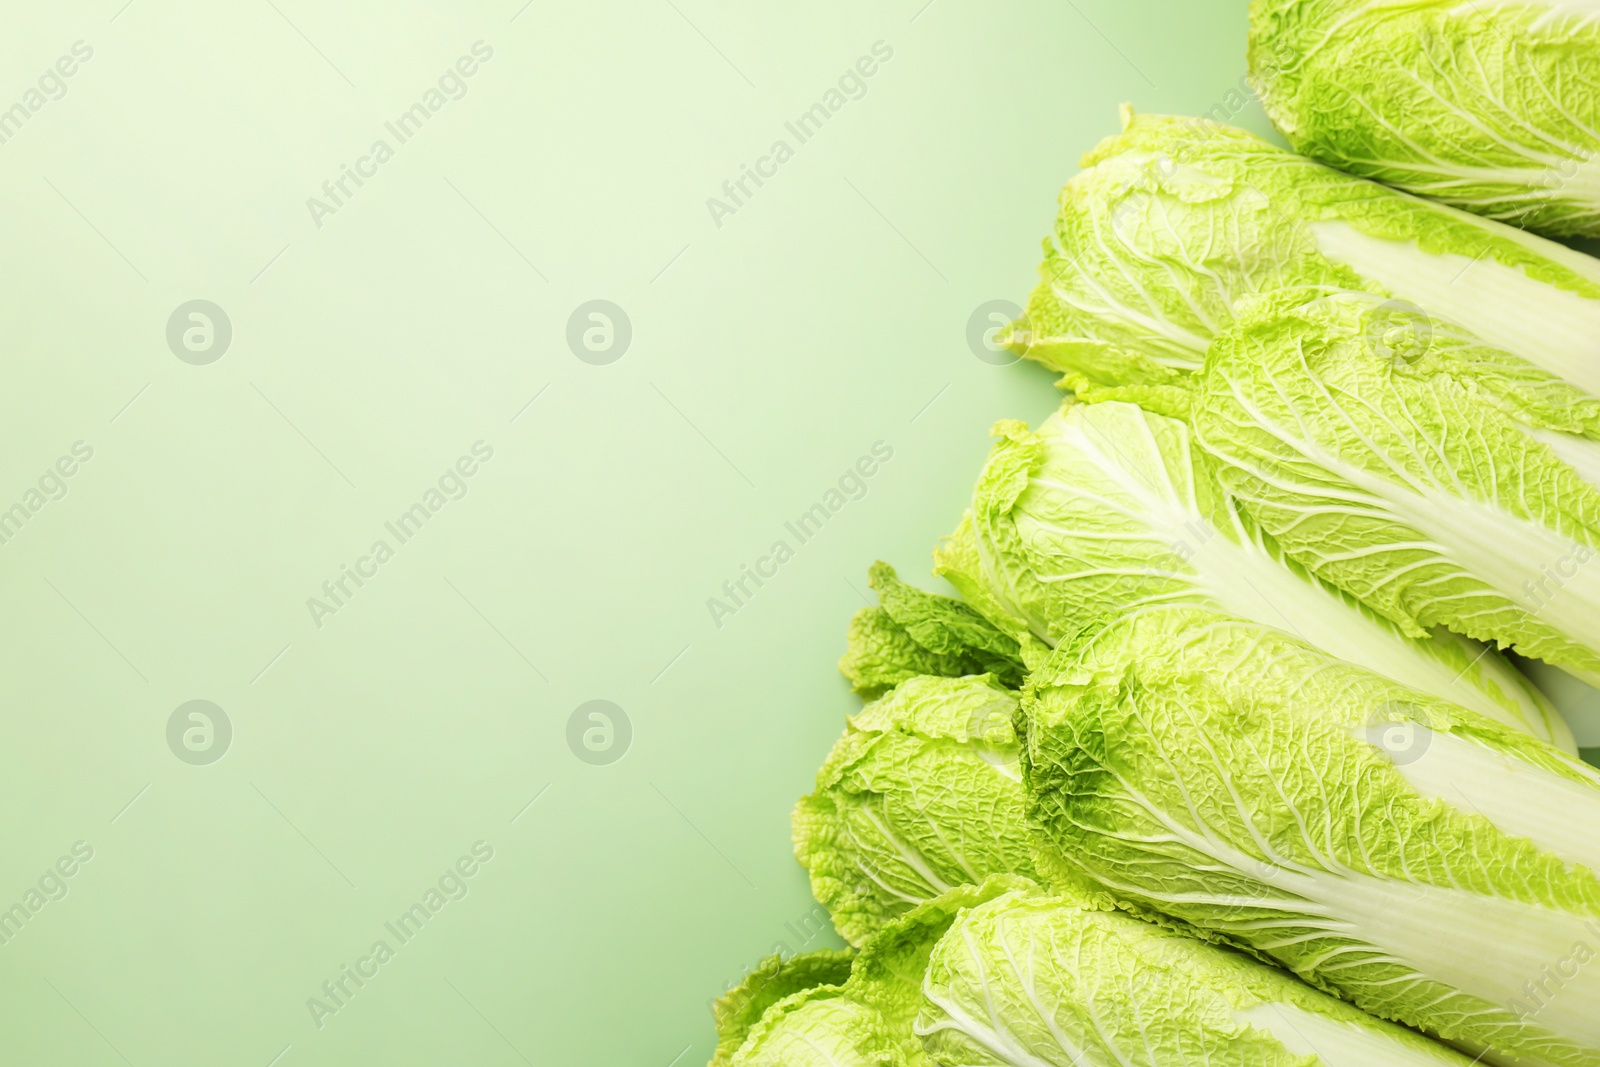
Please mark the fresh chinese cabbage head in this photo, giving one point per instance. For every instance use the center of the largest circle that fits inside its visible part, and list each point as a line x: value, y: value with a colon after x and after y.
x: 1176, y: 220
x: 1386, y: 466
x: 921, y: 794
x: 866, y: 1019
x: 775, y: 978
x: 822, y: 1027
x: 1423, y: 862
x: 911, y: 632
x: 1107, y: 508
x: 1493, y: 105
x: 1031, y: 978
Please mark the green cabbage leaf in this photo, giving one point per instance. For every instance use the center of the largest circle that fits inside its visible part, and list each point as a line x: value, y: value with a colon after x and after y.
x: 1176, y: 221
x: 1426, y: 864
x: 911, y: 632
x: 1492, y: 105
x: 1383, y: 469
x: 922, y: 794
x: 1107, y: 508
x: 866, y: 1020
x: 1031, y: 978
x: 774, y: 979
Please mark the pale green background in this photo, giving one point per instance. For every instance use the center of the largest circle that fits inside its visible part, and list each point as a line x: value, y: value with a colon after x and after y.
x: 369, y: 354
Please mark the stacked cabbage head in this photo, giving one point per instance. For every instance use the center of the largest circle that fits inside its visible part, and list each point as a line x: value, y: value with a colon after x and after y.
x: 1175, y: 220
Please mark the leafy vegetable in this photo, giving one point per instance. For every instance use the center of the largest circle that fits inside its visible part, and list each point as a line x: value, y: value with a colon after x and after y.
x: 1029, y: 978
x: 1491, y: 106
x: 1176, y: 220
x: 867, y: 1020
x: 1326, y: 436
x: 1107, y: 508
x: 739, y: 1009
x: 912, y: 632
x: 921, y: 794
x: 1425, y: 863
x: 1387, y: 474
x: 826, y: 1028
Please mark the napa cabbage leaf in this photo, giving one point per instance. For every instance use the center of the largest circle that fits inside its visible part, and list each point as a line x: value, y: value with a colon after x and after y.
x: 1491, y: 105
x: 1031, y: 978
x: 1386, y: 471
x: 1417, y: 859
x: 1107, y: 508
x: 912, y: 632
x: 923, y: 793
x: 1175, y: 221
x: 866, y: 1020
x: 772, y: 980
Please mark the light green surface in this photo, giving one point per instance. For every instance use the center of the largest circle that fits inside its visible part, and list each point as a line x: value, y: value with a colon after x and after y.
x: 824, y: 316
